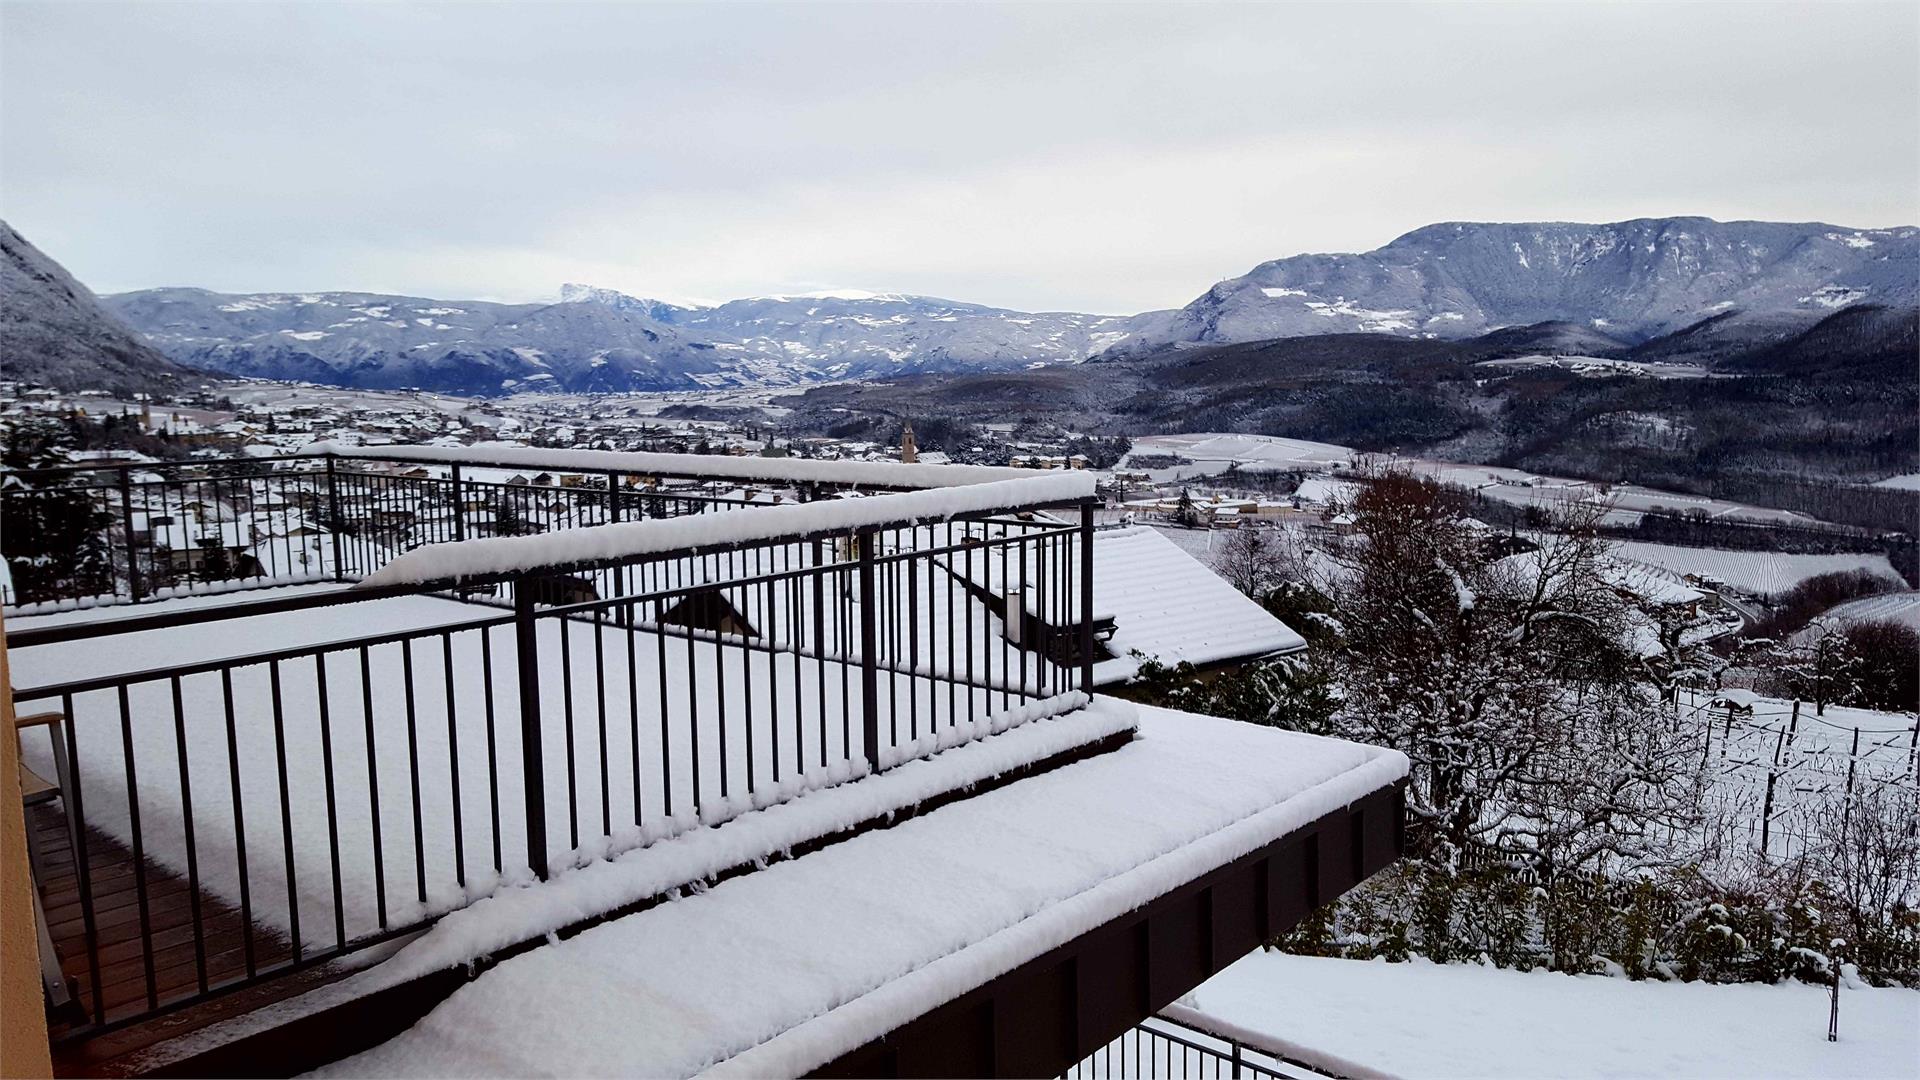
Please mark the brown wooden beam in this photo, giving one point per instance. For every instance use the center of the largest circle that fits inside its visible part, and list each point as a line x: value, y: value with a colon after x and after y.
x: 1045, y: 1015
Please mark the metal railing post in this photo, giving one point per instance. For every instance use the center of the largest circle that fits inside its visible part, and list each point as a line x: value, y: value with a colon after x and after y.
x: 526, y: 643
x: 869, y: 669
x: 619, y: 573
x: 1086, y: 597
x: 459, y: 506
x: 126, y: 527
x: 335, y: 520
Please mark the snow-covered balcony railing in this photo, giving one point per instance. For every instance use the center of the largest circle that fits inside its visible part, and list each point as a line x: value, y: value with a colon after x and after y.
x: 106, y: 533
x: 263, y: 785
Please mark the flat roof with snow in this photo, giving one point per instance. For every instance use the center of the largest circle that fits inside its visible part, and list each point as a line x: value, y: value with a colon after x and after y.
x: 786, y: 969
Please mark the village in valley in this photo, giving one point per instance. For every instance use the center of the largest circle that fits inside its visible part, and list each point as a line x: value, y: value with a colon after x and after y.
x: 1760, y: 723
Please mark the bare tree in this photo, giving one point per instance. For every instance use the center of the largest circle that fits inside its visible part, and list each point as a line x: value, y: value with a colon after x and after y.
x: 1507, y: 682
x: 1252, y: 560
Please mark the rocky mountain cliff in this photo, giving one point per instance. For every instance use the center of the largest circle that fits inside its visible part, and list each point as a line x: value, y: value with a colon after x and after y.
x: 1630, y: 280
x: 55, y: 333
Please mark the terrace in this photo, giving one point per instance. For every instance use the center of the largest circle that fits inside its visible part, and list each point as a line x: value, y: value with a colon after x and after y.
x: 420, y: 699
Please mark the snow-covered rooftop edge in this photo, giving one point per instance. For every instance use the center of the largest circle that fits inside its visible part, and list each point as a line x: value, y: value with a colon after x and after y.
x: 718, y: 466
x: 632, y: 539
x: 824, y: 1038
x: 529, y: 909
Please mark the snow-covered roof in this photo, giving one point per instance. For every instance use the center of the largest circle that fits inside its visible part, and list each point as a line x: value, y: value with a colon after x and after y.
x: 1167, y: 604
x: 780, y: 971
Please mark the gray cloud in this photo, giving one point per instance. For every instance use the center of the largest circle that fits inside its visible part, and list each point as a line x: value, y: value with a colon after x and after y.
x: 1096, y: 157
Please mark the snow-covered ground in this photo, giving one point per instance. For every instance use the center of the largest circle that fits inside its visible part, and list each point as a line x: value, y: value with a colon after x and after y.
x: 1763, y: 573
x: 1898, y: 607
x: 776, y: 972
x: 1212, y: 453
x: 1904, y: 482
x: 1812, y: 755
x: 1462, y: 1020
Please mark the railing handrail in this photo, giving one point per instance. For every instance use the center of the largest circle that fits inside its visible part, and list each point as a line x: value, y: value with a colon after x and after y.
x: 1283, y: 1050
x: 611, y: 545
x: 881, y: 475
x: 875, y: 475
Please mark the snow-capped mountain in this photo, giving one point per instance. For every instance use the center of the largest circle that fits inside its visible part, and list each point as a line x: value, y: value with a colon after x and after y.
x: 1630, y: 279
x: 853, y: 334
x: 373, y: 340
x: 54, y: 332
x: 597, y: 339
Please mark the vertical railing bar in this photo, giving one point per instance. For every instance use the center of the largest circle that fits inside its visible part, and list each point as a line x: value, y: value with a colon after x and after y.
x: 666, y: 731
x: 820, y: 644
x: 633, y: 711
x: 600, y: 703
x: 77, y: 837
x: 186, y: 822
x: 532, y: 754
x: 493, y: 753
x: 126, y: 525
x: 336, y: 519
x: 720, y: 684
x: 286, y: 807
x: 566, y: 712
x: 373, y: 789
x: 693, y: 718
x: 239, y: 823
x: 746, y: 674
x: 869, y: 673
x: 773, y: 675
x: 453, y: 763
x: 139, y: 854
x: 413, y: 771
x: 333, y: 815
x: 1086, y: 597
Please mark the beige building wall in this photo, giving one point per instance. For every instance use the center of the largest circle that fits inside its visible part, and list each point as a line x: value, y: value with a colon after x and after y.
x: 23, y: 1018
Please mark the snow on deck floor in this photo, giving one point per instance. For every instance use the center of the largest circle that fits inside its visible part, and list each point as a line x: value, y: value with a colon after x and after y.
x: 1462, y: 1020
x: 779, y: 971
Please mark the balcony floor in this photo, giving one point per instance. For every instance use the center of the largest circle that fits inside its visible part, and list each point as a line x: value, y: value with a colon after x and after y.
x: 227, y: 941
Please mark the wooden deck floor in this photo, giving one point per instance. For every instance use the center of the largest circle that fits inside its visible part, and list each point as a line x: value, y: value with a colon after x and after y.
x: 188, y: 943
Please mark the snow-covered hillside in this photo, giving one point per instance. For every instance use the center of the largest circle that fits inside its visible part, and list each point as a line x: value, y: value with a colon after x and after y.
x: 598, y: 339
x: 1628, y: 280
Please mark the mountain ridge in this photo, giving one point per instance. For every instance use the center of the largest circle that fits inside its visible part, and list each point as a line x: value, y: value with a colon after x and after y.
x: 55, y: 332
x: 1638, y: 279
x: 1618, y: 285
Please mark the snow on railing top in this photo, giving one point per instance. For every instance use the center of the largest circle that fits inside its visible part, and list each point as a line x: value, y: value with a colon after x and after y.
x: 719, y: 466
x: 633, y: 539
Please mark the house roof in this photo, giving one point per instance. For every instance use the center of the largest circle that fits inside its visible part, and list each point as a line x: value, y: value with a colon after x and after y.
x: 1167, y: 604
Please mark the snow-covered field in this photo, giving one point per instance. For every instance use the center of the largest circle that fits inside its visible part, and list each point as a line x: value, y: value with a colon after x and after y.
x: 1419, y: 1019
x: 1763, y: 573
x: 1899, y: 607
x: 1598, y: 367
x: 1905, y: 482
x: 1211, y: 453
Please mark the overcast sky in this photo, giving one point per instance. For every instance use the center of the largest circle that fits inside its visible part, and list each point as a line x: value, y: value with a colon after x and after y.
x: 1088, y: 157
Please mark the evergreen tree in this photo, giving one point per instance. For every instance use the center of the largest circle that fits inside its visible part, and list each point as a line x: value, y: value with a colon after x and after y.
x: 55, y: 538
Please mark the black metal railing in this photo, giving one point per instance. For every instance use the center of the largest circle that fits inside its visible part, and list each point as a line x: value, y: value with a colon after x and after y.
x: 162, y: 529
x: 257, y: 809
x: 1195, y: 1047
